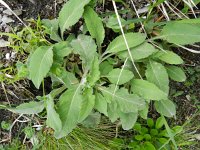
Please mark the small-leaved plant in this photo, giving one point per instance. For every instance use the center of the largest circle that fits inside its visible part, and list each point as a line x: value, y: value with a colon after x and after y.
x: 90, y: 75
x: 150, y: 135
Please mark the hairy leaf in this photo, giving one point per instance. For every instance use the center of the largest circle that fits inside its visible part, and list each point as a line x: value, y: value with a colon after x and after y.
x: 169, y: 57
x: 94, y: 74
x: 139, y: 52
x: 29, y: 108
x: 113, y: 111
x: 86, y: 48
x: 125, y: 76
x: 105, y: 67
x: 176, y: 73
x: 53, y: 119
x: 69, y: 108
x: 40, y: 64
x: 87, y: 104
x: 157, y: 74
x: 52, y: 29
x: 94, y: 25
x: 166, y: 108
x: 101, y: 104
x: 118, y: 44
x: 62, y: 49
x: 70, y: 13
x: 180, y: 33
x: 147, y: 90
x: 128, y: 120
x: 144, y: 112
x: 128, y: 102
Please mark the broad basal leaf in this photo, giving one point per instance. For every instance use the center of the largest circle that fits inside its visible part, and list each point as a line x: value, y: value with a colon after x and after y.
x: 180, y: 33
x: 52, y: 29
x: 166, y: 108
x: 128, y: 120
x: 40, y: 64
x: 70, y: 13
x: 157, y: 74
x: 69, y: 108
x: 86, y: 48
x: 64, y: 77
x: 176, y: 73
x: 94, y: 74
x: 169, y: 57
x: 61, y: 49
x: 105, y: 68
x: 101, y: 104
x: 28, y: 108
x: 87, y: 104
x: 147, y: 90
x: 118, y: 44
x: 119, y: 76
x: 92, y: 120
x: 53, y: 119
x: 128, y: 102
x: 144, y: 112
x: 139, y: 52
x: 94, y: 25
x: 108, y: 92
x: 113, y: 111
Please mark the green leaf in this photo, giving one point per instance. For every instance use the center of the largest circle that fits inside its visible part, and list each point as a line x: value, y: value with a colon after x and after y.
x: 94, y: 74
x: 176, y: 73
x: 101, y: 104
x: 125, y: 76
x: 159, y: 123
x: 40, y: 64
x: 70, y: 13
x: 65, y: 77
x: 87, y: 104
x: 147, y: 90
x: 62, y: 49
x: 86, y: 48
x: 149, y: 146
x: 28, y: 108
x: 139, y: 137
x: 112, y: 23
x: 177, y: 33
x: 92, y: 120
x: 128, y: 120
x: 150, y: 122
x: 144, y: 112
x: 113, y: 111
x: 105, y: 68
x: 108, y: 92
x: 52, y: 29
x: 169, y: 57
x: 177, y: 129
x: 128, y: 102
x: 139, y: 52
x: 157, y: 74
x: 118, y: 44
x: 94, y: 25
x: 53, y: 119
x: 69, y: 107
x: 166, y: 108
